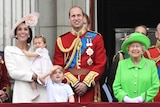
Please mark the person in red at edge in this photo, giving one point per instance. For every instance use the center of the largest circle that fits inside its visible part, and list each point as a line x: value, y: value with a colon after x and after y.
x: 5, y: 85
x: 83, y: 56
x: 153, y: 53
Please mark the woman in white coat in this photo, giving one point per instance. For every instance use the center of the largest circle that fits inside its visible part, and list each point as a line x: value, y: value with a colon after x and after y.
x: 18, y: 65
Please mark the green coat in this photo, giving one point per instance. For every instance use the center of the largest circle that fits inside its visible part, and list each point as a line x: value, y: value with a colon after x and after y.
x: 133, y: 81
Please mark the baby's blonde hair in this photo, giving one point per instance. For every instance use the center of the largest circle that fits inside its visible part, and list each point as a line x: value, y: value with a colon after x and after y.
x: 40, y: 36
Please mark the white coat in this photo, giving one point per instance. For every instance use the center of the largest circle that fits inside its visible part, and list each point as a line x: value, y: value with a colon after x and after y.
x: 18, y: 66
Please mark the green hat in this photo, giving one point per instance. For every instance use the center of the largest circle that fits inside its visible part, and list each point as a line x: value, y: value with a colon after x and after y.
x: 136, y: 37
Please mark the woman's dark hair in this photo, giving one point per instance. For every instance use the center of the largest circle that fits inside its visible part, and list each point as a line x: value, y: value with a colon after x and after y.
x: 30, y: 32
x: 30, y: 38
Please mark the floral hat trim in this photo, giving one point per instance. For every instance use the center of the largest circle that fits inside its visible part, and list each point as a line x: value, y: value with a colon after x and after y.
x: 30, y: 20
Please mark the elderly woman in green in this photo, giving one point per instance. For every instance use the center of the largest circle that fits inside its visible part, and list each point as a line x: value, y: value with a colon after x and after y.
x: 136, y: 78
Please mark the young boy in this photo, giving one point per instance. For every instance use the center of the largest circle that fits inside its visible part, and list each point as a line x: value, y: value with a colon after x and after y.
x: 56, y: 90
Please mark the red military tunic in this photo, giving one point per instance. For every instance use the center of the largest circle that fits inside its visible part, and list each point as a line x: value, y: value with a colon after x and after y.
x: 153, y: 53
x: 93, y: 58
x: 4, y: 79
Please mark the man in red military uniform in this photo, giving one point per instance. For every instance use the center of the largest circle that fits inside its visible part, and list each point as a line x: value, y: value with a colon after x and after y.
x: 4, y: 81
x: 153, y: 53
x: 83, y: 56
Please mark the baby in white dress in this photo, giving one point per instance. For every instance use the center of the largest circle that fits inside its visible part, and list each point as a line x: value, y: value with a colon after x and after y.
x: 41, y: 63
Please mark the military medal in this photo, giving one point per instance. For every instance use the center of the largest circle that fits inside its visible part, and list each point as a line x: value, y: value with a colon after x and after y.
x: 89, y: 61
x: 89, y: 51
x: 89, y: 42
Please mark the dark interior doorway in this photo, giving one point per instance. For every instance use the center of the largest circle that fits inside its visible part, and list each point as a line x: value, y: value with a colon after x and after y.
x: 124, y: 14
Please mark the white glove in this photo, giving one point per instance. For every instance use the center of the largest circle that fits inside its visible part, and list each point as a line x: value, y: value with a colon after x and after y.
x: 130, y: 100
x: 139, y: 99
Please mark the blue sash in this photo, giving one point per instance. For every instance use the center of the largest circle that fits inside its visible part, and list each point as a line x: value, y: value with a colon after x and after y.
x: 90, y: 35
x: 1, y: 53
